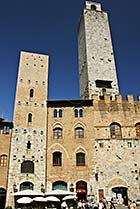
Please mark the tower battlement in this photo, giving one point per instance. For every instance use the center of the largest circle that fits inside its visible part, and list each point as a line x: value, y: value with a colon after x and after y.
x: 117, y: 99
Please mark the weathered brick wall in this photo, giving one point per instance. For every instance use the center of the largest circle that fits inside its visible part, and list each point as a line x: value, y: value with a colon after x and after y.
x: 4, y: 150
x: 69, y: 146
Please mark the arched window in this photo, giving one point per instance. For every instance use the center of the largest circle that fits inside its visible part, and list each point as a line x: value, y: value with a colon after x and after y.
x: 80, y: 159
x: 29, y: 118
x: 78, y: 113
x: 79, y: 132
x: 26, y: 185
x: 31, y: 93
x: 81, y: 188
x: 57, y: 113
x: 57, y: 133
x: 3, y: 160
x: 137, y: 127
x: 57, y: 159
x: 93, y: 7
x: 59, y: 185
x: 27, y: 167
x: 115, y: 130
x: 60, y: 113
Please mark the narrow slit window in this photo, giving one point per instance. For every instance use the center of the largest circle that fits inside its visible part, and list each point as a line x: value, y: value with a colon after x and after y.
x: 31, y: 93
x: 29, y: 118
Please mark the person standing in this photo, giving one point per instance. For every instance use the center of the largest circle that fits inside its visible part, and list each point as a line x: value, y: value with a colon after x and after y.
x: 64, y: 205
x: 112, y: 204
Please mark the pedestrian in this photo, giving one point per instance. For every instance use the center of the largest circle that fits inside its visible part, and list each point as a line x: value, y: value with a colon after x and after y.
x: 101, y: 205
x: 133, y: 205
x: 64, y: 205
x: 104, y: 203
x: 96, y: 205
x: 112, y: 204
x: 80, y: 204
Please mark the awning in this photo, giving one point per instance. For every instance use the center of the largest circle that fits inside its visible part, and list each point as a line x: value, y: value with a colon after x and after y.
x: 52, y: 199
x: 28, y: 192
x: 24, y: 200
x: 39, y: 199
x: 60, y: 192
x: 69, y: 197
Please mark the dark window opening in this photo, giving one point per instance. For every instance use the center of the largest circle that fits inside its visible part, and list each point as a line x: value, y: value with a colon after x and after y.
x: 27, y: 167
x: 57, y: 133
x: 101, y: 97
x: 137, y: 127
x: 79, y: 132
x: 115, y: 130
x: 103, y: 84
x: 80, y: 159
x: 78, y: 113
x: 93, y: 7
x: 60, y: 113
x: 31, y: 93
x: 57, y: 159
x: 28, y: 145
x: 57, y: 113
x: 29, y: 118
x: 26, y: 185
x: 6, y: 130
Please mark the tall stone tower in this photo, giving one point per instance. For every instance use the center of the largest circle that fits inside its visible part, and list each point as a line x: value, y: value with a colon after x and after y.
x: 96, y: 58
x: 28, y: 144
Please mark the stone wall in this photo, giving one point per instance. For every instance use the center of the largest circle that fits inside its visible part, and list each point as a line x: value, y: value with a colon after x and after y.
x: 96, y: 56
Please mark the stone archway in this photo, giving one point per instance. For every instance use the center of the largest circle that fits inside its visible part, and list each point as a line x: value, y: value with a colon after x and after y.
x: 119, y: 189
x: 117, y: 182
x: 81, y: 189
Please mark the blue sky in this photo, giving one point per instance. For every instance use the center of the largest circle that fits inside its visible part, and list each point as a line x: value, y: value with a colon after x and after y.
x: 50, y: 27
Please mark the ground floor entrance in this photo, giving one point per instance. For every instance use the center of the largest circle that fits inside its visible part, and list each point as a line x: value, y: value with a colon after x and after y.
x: 2, y: 198
x: 81, y: 190
x: 120, y: 192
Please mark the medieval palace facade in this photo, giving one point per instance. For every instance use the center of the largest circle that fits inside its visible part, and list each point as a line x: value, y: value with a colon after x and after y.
x: 90, y: 146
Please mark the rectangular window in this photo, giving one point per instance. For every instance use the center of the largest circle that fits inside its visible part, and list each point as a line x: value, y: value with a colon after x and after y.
x: 129, y: 144
x: 103, y: 84
x: 57, y: 159
x: 6, y: 130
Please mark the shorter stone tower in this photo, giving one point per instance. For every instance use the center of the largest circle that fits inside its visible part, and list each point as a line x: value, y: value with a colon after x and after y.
x: 97, y: 70
x: 28, y: 143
